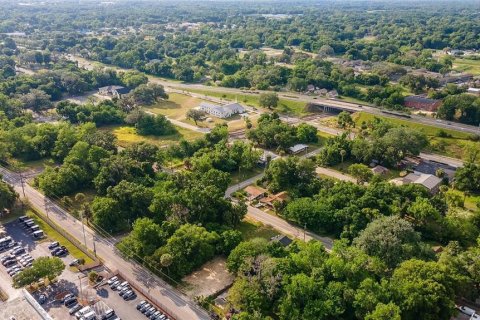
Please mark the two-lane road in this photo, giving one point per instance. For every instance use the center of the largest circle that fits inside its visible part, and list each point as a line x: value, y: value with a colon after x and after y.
x: 174, y: 302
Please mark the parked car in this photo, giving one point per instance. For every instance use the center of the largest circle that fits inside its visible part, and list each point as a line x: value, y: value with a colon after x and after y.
x: 70, y: 302
x: 53, y: 245
x: 112, y: 280
x: 122, y: 285
x: 150, y: 310
x: 14, y: 271
x: 61, y: 252
x: 468, y: 311
x: 42, y: 299
x: 155, y: 314
x: 109, y: 313
x: 75, y: 308
x: 74, y: 262
x: 114, y: 285
x: 9, y: 263
x: 124, y: 290
x: 129, y: 294
x: 141, y: 304
x: 145, y: 307
x: 67, y: 297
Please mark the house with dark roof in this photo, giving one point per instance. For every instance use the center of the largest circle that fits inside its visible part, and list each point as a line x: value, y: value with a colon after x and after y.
x: 113, y: 91
x: 283, y: 240
x: 422, y: 103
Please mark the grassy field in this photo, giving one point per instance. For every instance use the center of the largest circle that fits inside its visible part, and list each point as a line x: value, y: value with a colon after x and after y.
x: 284, y: 106
x: 127, y: 135
x: 251, y: 229
x: 237, y: 178
x: 176, y: 106
x: 467, y: 65
x: 53, y: 235
x: 454, y: 146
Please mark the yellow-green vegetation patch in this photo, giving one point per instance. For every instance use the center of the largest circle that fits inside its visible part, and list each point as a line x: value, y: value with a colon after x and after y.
x: 467, y: 65
x: 176, y: 106
x: 127, y: 135
x: 252, y: 229
x: 237, y: 177
x: 453, y: 143
x: 428, y: 130
x: 53, y: 235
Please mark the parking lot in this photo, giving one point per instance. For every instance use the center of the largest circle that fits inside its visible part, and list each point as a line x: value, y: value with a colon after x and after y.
x: 71, y: 281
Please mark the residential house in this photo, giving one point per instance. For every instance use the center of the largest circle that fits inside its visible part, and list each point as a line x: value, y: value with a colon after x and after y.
x: 431, y: 167
x: 310, y: 88
x: 218, y: 111
x: 422, y: 103
x: 276, y: 198
x: 429, y: 181
x: 255, y: 193
x: 332, y: 94
x: 298, y: 148
x: 322, y: 92
x: 113, y: 91
x: 283, y: 240
x: 379, y: 170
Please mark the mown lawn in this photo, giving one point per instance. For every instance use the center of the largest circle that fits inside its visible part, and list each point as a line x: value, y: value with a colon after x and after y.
x: 53, y: 235
x: 455, y: 146
x: 236, y: 177
x: 127, y: 135
x: 176, y: 106
x: 251, y: 229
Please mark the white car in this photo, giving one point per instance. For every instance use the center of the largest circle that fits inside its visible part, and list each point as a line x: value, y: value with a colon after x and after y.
x: 112, y: 280
x: 469, y: 312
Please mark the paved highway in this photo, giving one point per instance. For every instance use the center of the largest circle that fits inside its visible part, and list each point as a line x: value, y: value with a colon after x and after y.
x: 294, y: 96
x: 174, y: 302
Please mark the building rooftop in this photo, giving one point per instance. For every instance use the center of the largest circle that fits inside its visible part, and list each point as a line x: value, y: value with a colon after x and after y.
x: 420, y: 99
x: 298, y: 147
x: 283, y: 240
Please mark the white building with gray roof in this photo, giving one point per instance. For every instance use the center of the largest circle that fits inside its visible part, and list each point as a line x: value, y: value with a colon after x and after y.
x: 223, y: 112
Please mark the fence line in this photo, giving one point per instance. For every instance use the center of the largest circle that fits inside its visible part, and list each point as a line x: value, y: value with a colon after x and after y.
x: 65, y: 234
x: 44, y: 314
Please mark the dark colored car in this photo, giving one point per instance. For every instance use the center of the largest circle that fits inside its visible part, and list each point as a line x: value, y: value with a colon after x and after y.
x: 53, y: 245
x: 70, y: 302
x: 141, y: 304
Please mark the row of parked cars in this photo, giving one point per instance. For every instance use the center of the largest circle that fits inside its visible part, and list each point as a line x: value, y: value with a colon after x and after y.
x: 16, y: 258
x: 150, y: 311
x: 123, y: 288
x: 86, y: 313
x: 29, y: 224
x: 57, y: 250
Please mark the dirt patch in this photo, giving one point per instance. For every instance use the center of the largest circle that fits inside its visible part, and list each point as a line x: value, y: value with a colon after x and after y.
x: 210, y: 279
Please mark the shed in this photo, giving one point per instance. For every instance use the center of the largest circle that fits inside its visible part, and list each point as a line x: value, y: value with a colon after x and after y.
x: 255, y: 193
x: 298, y: 148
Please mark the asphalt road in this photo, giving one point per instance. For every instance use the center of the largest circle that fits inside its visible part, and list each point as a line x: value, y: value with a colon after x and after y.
x: 174, y: 302
x: 294, y: 96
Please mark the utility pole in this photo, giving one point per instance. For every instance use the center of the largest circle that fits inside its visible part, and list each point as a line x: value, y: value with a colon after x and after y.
x: 304, y: 231
x: 23, y: 184
x: 83, y: 229
x: 94, y: 247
